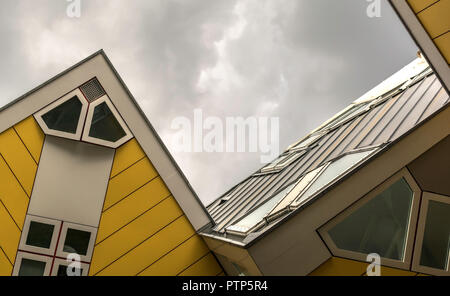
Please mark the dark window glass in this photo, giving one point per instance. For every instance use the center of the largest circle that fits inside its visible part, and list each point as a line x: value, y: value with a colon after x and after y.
x: 40, y: 234
x: 77, y: 241
x: 436, y: 240
x: 65, y: 117
x: 30, y: 267
x: 379, y: 226
x: 62, y: 271
x: 104, y: 125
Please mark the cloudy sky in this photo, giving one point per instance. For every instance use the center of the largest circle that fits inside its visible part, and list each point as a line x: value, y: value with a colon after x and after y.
x: 298, y: 60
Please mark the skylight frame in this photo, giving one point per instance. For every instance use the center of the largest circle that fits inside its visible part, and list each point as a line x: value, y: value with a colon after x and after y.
x: 420, y: 233
x: 297, y: 203
x: 90, y: 249
x: 278, y: 165
x: 79, y: 131
x: 85, y: 137
x: 26, y: 228
x: 413, y: 216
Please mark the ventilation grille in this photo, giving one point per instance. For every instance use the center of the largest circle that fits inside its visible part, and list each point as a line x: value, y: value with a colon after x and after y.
x: 92, y: 90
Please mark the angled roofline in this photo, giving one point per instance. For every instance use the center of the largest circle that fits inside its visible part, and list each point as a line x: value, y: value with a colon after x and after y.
x: 423, y: 41
x: 102, y: 53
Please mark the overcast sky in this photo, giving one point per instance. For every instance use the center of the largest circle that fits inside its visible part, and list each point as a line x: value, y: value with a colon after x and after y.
x: 299, y: 60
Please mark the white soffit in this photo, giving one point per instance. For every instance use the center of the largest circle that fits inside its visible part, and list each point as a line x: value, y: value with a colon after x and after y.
x: 99, y: 66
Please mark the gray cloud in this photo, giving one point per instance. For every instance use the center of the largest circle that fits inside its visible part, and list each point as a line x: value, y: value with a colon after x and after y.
x: 301, y: 61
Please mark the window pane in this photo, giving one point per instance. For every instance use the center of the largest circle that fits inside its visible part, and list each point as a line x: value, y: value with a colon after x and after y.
x: 64, y: 117
x: 252, y: 219
x: 40, y: 234
x: 379, y: 226
x: 436, y: 240
x: 334, y: 170
x: 62, y: 271
x: 104, y: 125
x: 30, y: 267
x: 77, y: 241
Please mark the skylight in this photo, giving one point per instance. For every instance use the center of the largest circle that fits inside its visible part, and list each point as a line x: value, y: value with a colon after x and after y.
x: 282, y: 161
x: 348, y: 113
x: 331, y: 173
x: 252, y: 220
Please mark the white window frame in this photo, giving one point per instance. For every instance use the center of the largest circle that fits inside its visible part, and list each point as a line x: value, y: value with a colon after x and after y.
x: 426, y: 198
x: 87, y: 127
x: 24, y: 255
x: 277, y: 165
x: 59, y: 262
x: 26, y: 228
x: 409, y: 244
x: 60, y: 251
x: 77, y: 136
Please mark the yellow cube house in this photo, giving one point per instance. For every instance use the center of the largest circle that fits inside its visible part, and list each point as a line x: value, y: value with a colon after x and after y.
x: 82, y: 171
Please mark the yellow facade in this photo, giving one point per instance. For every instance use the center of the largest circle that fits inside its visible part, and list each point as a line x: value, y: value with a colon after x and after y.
x: 20, y: 149
x: 336, y: 266
x: 435, y: 18
x: 142, y: 229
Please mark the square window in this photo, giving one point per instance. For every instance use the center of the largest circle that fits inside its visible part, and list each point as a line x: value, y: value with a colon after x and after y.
x: 40, y: 234
x: 29, y: 267
x: 77, y: 241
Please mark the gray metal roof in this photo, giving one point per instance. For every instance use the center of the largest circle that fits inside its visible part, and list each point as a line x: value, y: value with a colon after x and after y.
x: 377, y: 123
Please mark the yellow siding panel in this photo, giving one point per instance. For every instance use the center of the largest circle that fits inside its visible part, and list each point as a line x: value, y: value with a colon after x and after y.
x: 18, y: 158
x: 129, y: 208
x: 389, y: 271
x: 179, y: 259
x: 204, y: 267
x: 32, y: 136
x: 340, y: 267
x: 9, y: 234
x: 126, y: 155
x: 128, y: 181
x: 134, y: 233
x: 436, y: 18
x: 418, y: 5
x: 443, y: 43
x: 5, y: 266
x: 152, y: 249
x: 12, y: 195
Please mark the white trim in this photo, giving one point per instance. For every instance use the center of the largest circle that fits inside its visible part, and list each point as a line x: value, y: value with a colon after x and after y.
x: 408, y: 249
x: 60, y: 251
x: 428, y: 47
x: 84, y: 106
x: 426, y: 197
x: 26, y: 229
x: 87, y: 127
x: 21, y: 255
x: 59, y: 262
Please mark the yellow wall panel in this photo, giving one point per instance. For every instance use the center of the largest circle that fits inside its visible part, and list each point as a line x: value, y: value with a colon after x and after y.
x: 12, y: 194
x: 126, y: 155
x: 32, y: 136
x: 132, y: 206
x: 389, y: 271
x: 152, y: 249
x: 340, y: 267
x: 418, y: 5
x: 134, y: 233
x: 443, y: 43
x: 9, y: 234
x: 179, y: 259
x: 128, y: 181
x: 5, y: 266
x: 436, y: 18
x: 18, y: 159
x: 206, y: 266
